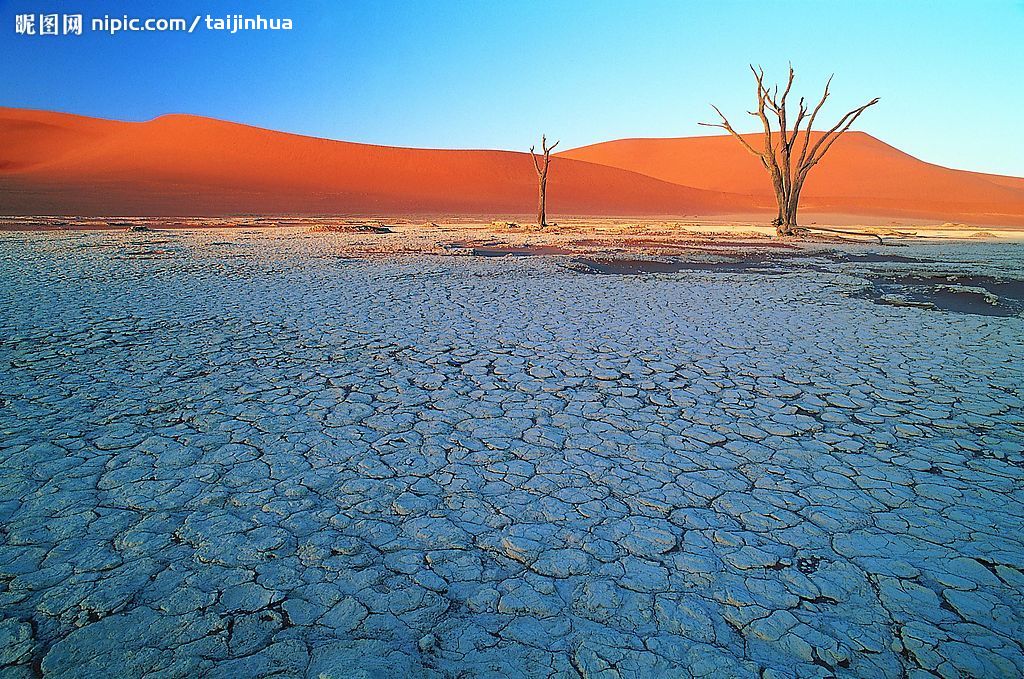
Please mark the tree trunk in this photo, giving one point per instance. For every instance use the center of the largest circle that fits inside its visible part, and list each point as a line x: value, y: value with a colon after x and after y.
x: 787, y: 227
x: 780, y: 198
x: 541, y: 211
x: 789, y: 222
x: 542, y: 178
x: 784, y: 222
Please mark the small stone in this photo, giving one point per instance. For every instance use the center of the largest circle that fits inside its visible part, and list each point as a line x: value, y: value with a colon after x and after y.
x: 427, y: 643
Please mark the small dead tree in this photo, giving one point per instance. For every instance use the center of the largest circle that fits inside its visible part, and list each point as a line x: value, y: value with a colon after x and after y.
x: 542, y: 177
x: 788, y: 168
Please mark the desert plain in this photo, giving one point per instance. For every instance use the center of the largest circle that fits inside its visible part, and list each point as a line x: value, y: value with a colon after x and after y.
x: 611, y: 448
x: 359, y: 416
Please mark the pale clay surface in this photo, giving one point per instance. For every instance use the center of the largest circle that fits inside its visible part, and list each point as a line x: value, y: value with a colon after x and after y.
x: 260, y: 459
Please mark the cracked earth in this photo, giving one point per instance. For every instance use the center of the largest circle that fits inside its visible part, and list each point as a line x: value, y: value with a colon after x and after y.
x: 255, y: 457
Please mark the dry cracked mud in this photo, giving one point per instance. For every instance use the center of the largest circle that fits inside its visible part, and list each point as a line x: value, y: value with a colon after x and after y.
x: 254, y: 456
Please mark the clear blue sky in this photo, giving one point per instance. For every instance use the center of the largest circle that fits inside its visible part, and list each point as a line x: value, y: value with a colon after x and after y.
x: 495, y: 74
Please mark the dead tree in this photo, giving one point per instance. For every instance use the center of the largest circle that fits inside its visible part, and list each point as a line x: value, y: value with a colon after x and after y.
x: 788, y: 168
x: 542, y: 177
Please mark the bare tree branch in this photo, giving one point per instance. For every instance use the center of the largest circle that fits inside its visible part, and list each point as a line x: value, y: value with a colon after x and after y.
x: 728, y: 128
x: 852, y: 115
x: 810, y: 122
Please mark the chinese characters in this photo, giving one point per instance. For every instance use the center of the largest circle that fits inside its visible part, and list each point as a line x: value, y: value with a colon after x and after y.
x: 48, y: 24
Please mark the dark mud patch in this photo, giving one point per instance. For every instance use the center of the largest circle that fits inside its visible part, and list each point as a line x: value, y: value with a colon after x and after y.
x: 698, y: 244
x: 880, y: 258
x: 633, y: 267
x: 1011, y: 289
x: 964, y: 294
x: 502, y: 249
x: 146, y: 254
x: 526, y: 251
x: 350, y: 228
x: 131, y: 227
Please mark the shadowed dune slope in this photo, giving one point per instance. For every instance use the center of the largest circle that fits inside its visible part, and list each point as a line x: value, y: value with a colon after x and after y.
x: 60, y: 164
x: 860, y: 175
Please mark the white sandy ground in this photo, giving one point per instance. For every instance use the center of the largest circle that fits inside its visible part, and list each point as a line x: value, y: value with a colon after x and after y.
x: 419, y: 232
x: 248, y: 453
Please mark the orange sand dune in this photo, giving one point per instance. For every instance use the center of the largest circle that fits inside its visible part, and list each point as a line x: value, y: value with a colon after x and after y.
x: 860, y: 176
x: 59, y: 164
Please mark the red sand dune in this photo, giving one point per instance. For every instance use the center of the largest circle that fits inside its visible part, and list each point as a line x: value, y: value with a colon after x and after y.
x: 860, y: 176
x: 59, y: 164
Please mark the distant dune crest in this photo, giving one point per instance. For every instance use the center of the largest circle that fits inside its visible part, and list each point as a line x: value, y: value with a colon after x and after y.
x: 861, y: 176
x: 62, y: 164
